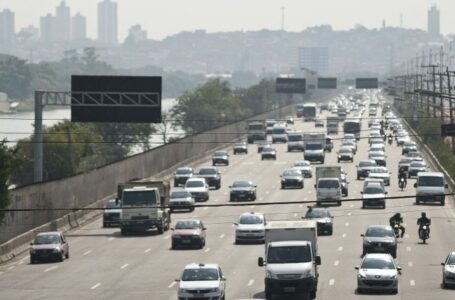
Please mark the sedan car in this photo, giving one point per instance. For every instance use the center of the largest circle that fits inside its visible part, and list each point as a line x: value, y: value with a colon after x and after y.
x: 404, y: 163
x: 408, y: 146
x: 181, y: 200
x: 304, y: 166
x: 242, y: 190
x: 198, y: 188
x: 241, y: 147
x: 319, y: 123
x: 379, y: 239
x: 111, y: 214
x: 364, y: 168
x: 379, y: 157
x: 250, y: 227
x: 262, y: 145
x: 182, y: 175
x: 220, y: 157
x: 291, y: 178
x: 345, y: 153
x: 448, y: 270
x: 323, y: 218
x: 211, y: 175
x: 202, y: 281
x: 380, y: 173
x: 188, y: 233
x: 373, y: 194
x: 268, y: 153
x: 378, y: 272
x: 50, y: 245
x: 350, y: 144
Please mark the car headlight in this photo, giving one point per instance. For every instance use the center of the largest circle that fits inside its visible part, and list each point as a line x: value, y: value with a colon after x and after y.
x: 366, y: 242
x: 269, y: 274
x: 32, y: 250
x: 55, y: 250
x: 393, y: 276
x: 361, y: 275
x: 213, y: 290
x: 183, y: 291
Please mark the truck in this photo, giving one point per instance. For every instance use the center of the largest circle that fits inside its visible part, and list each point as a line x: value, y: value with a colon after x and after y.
x: 295, y: 141
x: 328, y: 184
x: 314, y: 144
x: 144, y: 205
x: 332, y: 125
x: 309, y: 112
x: 256, y: 131
x: 291, y: 258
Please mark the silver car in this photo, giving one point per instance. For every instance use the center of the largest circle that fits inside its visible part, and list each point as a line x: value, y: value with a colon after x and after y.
x: 448, y: 270
x: 181, y: 200
x: 378, y: 272
x: 251, y: 227
x: 380, y: 173
x: 304, y: 166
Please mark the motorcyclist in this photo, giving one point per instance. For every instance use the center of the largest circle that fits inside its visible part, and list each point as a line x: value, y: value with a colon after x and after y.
x: 402, y: 174
x: 424, y: 221
x: 390, y: 138
x: 397, y: 219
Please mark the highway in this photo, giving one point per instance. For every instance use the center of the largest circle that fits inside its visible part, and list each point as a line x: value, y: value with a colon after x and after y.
x: 105, y: 265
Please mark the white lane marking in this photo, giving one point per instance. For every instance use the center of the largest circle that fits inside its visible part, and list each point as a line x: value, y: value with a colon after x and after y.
x: 406, y: 236
x: 412, y: 283
x: 347, y: 224
x: 251, y: 282
x: 410, y: 264
x: 295, y: 215
x: 110, y: 239
x: 253, y: 206
x: 124, y: 266
x: 305, y: 199
x: 344, y: 235
x: 10, y: 268
x: 225, y: 193
x: 222, y: 236
x: 194, y: 216
x: 167, y: 237
x: 273, y: 187
x: 171, y: 285
x: 147, y: 250
x: 261, y: 199
x: 205, y: 208
x: 207, y: 250
x: 20, y: 263
x: 301, y: 205
x: 24, y: 258
x: 95, y: 286
x: 331, y: 281
x: 408, y: 249
x: 216, y: 200
x: 336, y: 263
x: 349, y: 213
x: 352, y: 205
x: 87, y: 252
x: 267, y: 192
x: 340, y: 248
x: 50, y: 269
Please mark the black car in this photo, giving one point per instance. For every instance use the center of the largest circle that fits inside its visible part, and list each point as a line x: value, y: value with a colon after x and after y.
x: 242, y: 190
x: 364, y: 168
x: 111, y: 215
x: 323, y: 218
x: 268, y: 153
x: 292, y: 178
x: 240, y: 148
x: 181, y: 175
x: 220, y: 157
x: 328, y: 144
x: 212, y: 176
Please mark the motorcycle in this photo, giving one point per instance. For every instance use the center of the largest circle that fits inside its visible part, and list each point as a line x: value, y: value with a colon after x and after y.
x: 384, y: 137
x: 396, y: 229
x: 424, y: 233
x: 402, y: 183
x: 390, y: 140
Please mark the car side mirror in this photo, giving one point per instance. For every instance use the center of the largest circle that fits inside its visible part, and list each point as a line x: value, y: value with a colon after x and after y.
x: 362, y: 235
x: 361, y: 192
x: 177, y: 280
x: 235, y: 223
x: 31, y: 244
x: 399, y: 270
x: 318, y: 260
x: 172, y: 229
x: 443, y: 264
x: 230, y: 186
x: 223, y: 278
x: 255, y: 185
x: 415, y: 184
x: 386, y: 193
x: 356, y: 267
x: 260, y: 261
x: 204, y: 228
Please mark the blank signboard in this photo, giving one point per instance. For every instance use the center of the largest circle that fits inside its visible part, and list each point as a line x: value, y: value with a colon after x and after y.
x: 327, y: 83
x: 290, y: 85
x: 366, y: 83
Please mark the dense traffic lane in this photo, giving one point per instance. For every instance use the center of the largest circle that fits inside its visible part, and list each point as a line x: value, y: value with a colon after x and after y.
x: 141, y: 267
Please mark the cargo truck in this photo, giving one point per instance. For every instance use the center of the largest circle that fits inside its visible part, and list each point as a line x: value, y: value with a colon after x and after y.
x: 291, y: 258
x: 332, y: 125
x: 256, y: 131
x: 314, y: 144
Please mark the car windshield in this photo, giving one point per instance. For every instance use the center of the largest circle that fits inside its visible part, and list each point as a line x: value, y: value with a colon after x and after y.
x: 237, y: 184
x: 379, y: 232
x: 279, y: 130
x: 250, y: 219
x: 451, y: 260
x: 184, y: 171
x: 289, y: 255
x: 379, y: 170
x: 180, y: 194
x: 328, y: 184
x: 268, y: 150
x: 194, y: 183
x: 207, y: 171
x: 240, y: 145
x: 291, y: 173
x: 313, y: 146
x: 187, y: 225
x: 431, y: 181
x: 373, y: 190
x: 377, y: 263
x: 367, y: 164
x: 404, y: 161
x: 139, y: 198
x: 417, y: 165
x: 295, y: 137
x: 220, y: 154
x: 112, y: 204
x: 345, y: 150
x: 200, y: 275
x: 47, y: 239
x: 317, y: 213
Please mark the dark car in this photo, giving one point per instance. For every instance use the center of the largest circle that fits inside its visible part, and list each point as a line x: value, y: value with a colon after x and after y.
x: 241, y: 147
x: 379, y: 239
x: 211, y: 175
x: 323, y: 218
x: 188, y: 233
x: 319, y: 123
x: 268, y: 153
x: 364, y: 168
x: 220, y: 157
x: 415, y: 167
x: 242, y: 190
x: 181, y: 175
x: 111, y: 215
x: 328, y: 144
x: 292, y: 178
x: 49, y: 246
x: 344, y: 185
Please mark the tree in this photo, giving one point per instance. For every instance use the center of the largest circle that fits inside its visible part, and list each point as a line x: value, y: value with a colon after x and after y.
x: 7, y: 164
x: 15, y: 77
x: 165, y: 127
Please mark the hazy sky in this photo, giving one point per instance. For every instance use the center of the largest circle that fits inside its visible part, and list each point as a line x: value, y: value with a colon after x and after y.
x: 166, y: 17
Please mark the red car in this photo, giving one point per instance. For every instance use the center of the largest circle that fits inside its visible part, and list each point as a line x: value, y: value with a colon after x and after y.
x: 188, y: 233
x: 49, y: 246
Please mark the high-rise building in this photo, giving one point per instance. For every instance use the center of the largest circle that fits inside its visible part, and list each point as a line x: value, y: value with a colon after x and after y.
x: 434, y: 21
x: 78, y: 27
x: 137, y: 34
x: 48, y: 30
x: 315, y: 59
x: 63, y: 22
x: 107, y: 22
x: 7, y: 29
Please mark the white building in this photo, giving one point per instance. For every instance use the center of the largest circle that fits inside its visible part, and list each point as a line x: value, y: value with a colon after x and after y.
x: 107, y: 22
x: 137, y: 34
x: 63, y: 22
x: 48, y: 29
x: 78, y: 27
x: 434, y: 21
x: 7, y: 29
x: 314, y: 59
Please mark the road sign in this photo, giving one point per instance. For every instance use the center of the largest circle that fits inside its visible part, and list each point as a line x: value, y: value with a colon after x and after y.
x: 290, y: 85
x: 327, y: 83
x: 118, y: 99
x: 448, y: 130
x: 366, y: 83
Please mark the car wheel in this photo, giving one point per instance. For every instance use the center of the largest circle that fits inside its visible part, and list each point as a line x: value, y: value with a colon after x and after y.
x: 338, y: 160
x: 175, y: 184
x: 444, y: 284
x: 62, y: 257
x: 394, y: 253
x: 173, y: 246
x: 339, y: 203
x: 443, y: 202
x: 395, y: 291
x: 160, y: 229
x: 301, y: 186
x: 358, y: 177
x: 32, y: 260
x: 283, y: 187
x: 201, y: 244
x: 312, y: 294
x: 364, y: 252
x: 123, y: 231
x: 67, y: 255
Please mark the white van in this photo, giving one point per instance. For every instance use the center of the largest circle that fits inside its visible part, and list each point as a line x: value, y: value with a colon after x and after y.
x: 279, y: 134
x: 430, y: 187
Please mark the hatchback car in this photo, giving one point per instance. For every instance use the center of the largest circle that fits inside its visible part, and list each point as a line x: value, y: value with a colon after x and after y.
x: 448, y: 270
x: 211, y: 175
x: 268, y: 153
x: 262, y: 145
x: 181, y: 200
x: 50, y: 245
x: 202, y: 281
x: 323, y: 218
x: 380, y: 173
x: 182, y: 175
x: 304, y: 166
x: 364, y: 167
x: 250, y: 227
x: 378, y: 272
x: 188, y: 233
x: 241, y: 147
x: 291, y: 178
x: 242, y: 190
x: 373, y: 194
x: 220, y: 157
x: 198, y: 188
x: 379, y: 239
x: 111, y: 214
x: 345, y: 153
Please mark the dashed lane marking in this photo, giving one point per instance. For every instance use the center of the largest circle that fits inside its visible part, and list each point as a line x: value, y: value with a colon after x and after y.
x: 194, y: 216
x: 110, y: 239
x: 273, y: 187
x: 406, y: 236
x: 221, y: 236
x: 124, y: 266
x: 408, y: 249
x: 171, y: 285
x: 251, y: 282
x: 95, y: 286
x: 344, y: 235
x: 340, y: 248
x: 352, y: 205
x: 301, y: 205
x: 167, y: 237
x: 205, y: 208
x: 349, y: 213
x: 410, y: 264
x: 147, y: 250
x: 336, y: 263
x: 267, y: 192
x: 331, y: 281
x: 261, y: 199
x: 295, y: 215
x: 412, y: 283
x: 86, y: 252
x: 347, y: 224
x: 253, y: 206
x: 10, y: 268
x: 50, y: 269
x: 207, y: 250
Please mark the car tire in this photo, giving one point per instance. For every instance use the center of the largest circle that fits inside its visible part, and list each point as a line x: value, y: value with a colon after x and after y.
x: 283, y: 186
x: 312, y: 294
x: 358, y: 177
x: 123, y: 231
x: 32, y: 260
x: 339, y: 203
x: 338, y: 161
x: 395, y: 291
x: 301, y: 186
x: 175, y: 184
x: 173, y: 246
x: 444, y: 284
x: 192, y: 209
x: 394, y: 253
x: 105, y: 224
x: 62, y: 257
x: 443, y: 202
x: 160, y: 229
x: 67, y: 255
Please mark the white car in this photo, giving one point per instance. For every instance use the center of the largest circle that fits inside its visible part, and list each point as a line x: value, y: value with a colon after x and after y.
x: 181, y: 200
x: 304, y: 166
x: 250, y: 227
x: 378, y: 272
x: 350, y: 144
x: 380, y: 173
x: 448, y: 270
x: 198, y: 188
x: 205, y: 281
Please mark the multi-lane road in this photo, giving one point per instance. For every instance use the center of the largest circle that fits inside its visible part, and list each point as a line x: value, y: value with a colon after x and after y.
x: 106, y: 265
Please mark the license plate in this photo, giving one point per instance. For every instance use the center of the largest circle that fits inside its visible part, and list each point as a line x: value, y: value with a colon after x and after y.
x: 186, y: 241
x: 379, y: 248
x: 289, y: 289
x: 250, y: 234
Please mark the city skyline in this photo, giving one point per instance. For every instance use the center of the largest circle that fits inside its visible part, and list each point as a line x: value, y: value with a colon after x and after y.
x: 175, y: 16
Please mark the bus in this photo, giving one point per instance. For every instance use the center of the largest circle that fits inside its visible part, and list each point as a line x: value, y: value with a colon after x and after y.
x: 309, y: 112
x: 353, y: 126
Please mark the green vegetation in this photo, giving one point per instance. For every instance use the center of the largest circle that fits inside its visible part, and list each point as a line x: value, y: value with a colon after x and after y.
x: 7, y: 164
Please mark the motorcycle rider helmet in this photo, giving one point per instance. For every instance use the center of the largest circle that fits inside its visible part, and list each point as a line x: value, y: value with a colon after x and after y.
x: 423, y: 214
